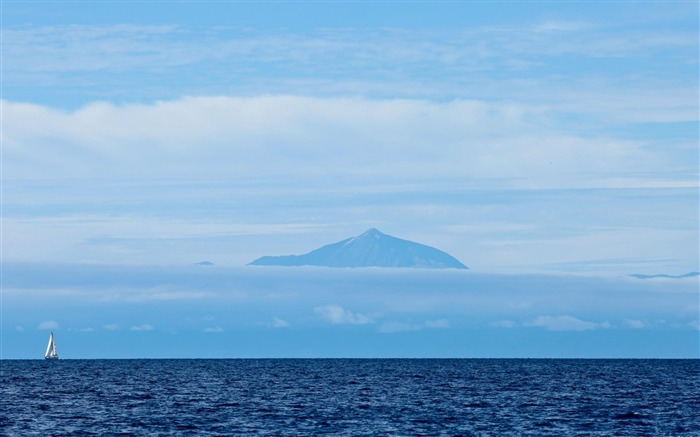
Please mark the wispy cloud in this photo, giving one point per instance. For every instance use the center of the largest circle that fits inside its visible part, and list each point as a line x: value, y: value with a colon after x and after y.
x: 562, y: 26
x: 337, y: 315
x: 87, y: 47
x: 48, y: 324
x: 279, y: 323
x: 143, y: 327
x: 393, y: 326
x: 214, y: 329
x: 157, y: 295
x: 526, y: 61
x: 111, y: 327
x: 504, y: 324
x: 562, y: 323
x: 635, y: 324
x: 437, y: 324
x: 78, y: 48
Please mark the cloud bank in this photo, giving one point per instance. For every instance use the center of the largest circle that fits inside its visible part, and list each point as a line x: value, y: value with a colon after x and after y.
x: 287, y: 136
x: 393, y: 312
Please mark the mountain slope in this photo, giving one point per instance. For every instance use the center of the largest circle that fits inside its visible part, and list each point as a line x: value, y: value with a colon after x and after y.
x: 371, y: 249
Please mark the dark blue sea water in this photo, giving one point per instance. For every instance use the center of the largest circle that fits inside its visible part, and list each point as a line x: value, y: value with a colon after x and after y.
x: 350, y: 397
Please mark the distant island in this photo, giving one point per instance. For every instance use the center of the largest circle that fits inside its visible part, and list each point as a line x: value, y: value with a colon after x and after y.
x: 370, y: 249
x: 687, y: 275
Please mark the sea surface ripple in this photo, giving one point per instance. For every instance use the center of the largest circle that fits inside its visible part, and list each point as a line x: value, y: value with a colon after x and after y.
x: 394, y: 397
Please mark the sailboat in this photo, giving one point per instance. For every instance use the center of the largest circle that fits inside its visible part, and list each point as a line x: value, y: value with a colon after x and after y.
x: 51, y: 350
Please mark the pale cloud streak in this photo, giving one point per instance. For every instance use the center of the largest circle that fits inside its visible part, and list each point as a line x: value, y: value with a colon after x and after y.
x: 146, y: 46
x: 279, y: 323
x: 394, y: 327
x: 504, y: 324
x: 635, y: 324
x: 437, y: 324
x: 563, y: 323
x: 390, y: 327
x: 48, y: 324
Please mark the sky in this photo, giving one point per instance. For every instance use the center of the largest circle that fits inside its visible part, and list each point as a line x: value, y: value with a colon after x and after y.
x: 550, y: 146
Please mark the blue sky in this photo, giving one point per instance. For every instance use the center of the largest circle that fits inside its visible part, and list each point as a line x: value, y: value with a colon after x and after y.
x: 545, y: 139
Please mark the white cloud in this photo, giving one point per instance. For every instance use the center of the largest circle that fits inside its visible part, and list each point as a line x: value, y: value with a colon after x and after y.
x: 48, y: 324
x: 279, y: 323
x: 111, y: 327
x: 88, y: 329
x: 695, y: 324
x: 144, y: 327
x: 562, y: 323
x: 635, y: 324
x: 337, y: 315
x: 436, y: 63
x: 214, y: 330
x: 19, y: 328
x: 210, y: 137
x: 437, y: 324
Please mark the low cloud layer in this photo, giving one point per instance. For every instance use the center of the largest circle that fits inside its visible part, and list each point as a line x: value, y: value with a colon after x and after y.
x: 347, y: 312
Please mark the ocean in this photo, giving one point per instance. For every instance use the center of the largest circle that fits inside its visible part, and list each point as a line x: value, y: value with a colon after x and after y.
x: 351, y: 397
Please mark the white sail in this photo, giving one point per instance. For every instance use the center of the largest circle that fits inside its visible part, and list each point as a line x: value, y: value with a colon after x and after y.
x: 51, y: 349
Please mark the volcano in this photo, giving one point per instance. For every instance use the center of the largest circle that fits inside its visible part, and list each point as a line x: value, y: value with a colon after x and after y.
x: 371, y: 249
